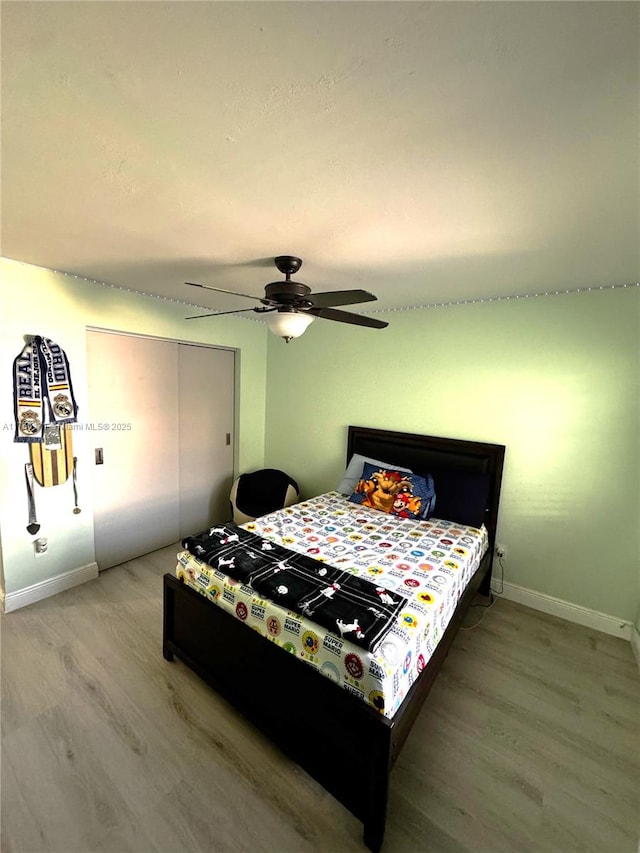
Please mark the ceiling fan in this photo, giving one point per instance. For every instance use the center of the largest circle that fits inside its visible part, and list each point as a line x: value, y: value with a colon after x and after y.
x: 290, y: 306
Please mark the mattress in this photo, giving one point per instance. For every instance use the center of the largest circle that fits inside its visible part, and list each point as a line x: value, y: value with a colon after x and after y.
x: 430, y: 563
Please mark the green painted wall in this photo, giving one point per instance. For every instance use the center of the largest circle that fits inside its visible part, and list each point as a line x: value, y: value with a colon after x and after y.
x: 553, y: 378
x: 38, y: 301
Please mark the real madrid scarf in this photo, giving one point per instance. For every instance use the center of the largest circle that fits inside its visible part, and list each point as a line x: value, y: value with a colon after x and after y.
x: 42, y: 389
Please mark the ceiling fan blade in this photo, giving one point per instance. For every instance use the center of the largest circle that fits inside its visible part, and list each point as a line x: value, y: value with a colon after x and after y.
x: 340, y: 297
x: 347, y: 317
x: 219, y: 313
x: 220, y: 290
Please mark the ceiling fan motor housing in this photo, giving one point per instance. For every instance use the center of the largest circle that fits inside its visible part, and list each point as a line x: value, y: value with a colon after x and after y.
x: 288, y: 293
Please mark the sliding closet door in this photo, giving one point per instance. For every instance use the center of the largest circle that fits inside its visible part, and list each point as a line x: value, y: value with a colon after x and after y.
x: 133, y: 391
x: 206, y: 402
x: 165, y: 453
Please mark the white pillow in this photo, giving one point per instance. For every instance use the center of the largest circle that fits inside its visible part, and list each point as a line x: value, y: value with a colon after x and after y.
x: 354, y: 471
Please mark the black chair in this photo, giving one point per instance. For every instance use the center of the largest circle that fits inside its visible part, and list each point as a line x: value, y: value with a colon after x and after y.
x: 260, y: 492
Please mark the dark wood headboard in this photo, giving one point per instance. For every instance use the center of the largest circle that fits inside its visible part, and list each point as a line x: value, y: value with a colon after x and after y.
x: 425, y: 453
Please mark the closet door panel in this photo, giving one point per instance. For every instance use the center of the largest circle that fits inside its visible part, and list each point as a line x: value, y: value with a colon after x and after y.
x: 206, y: 406
x: 134, y: 395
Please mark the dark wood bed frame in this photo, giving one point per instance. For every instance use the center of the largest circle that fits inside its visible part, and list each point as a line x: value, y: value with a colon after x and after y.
x: 262, y: 681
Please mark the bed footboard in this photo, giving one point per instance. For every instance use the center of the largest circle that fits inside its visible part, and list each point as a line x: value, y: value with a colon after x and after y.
x: 264, y: 683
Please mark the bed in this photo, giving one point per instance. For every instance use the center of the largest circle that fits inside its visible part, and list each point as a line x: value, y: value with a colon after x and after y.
x: 266, y: 684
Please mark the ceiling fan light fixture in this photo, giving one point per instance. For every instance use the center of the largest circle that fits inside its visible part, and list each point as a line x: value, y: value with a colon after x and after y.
x: 288, y: 324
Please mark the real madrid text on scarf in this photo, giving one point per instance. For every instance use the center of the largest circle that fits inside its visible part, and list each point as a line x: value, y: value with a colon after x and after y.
x: 42, y: 389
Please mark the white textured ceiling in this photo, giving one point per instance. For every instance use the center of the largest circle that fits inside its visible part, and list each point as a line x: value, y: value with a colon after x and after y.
x: 425, y: 151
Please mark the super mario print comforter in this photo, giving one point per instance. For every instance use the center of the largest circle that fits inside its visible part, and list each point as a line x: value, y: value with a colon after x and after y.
x: 423, y: 566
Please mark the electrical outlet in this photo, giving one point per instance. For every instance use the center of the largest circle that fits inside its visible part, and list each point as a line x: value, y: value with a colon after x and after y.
x: 501, y: 552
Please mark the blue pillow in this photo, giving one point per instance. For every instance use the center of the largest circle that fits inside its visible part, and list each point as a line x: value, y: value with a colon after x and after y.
x: 396, y: 492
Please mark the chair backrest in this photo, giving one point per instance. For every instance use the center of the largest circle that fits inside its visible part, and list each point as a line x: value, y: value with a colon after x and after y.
x: 260, y: 492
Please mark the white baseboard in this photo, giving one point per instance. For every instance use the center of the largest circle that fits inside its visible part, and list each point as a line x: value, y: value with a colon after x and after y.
x: 612, y: 625
x: 635, y: 645
x: 44, y: 589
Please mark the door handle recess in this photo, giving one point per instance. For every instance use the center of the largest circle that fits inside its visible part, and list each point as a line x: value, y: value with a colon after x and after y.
x: 99, y: 456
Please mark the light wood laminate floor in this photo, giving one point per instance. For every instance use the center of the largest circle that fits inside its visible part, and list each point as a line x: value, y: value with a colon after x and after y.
x: 529, y: 741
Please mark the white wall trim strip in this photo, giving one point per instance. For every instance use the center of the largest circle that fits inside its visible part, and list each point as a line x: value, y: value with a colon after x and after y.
x: 612, y: 625
x: 44, y: 589
x: 635, y: 645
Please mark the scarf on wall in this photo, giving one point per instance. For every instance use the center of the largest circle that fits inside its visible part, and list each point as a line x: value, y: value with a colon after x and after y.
x: 42, y: 389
